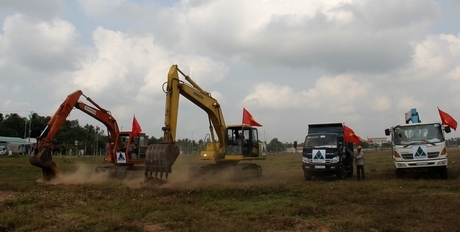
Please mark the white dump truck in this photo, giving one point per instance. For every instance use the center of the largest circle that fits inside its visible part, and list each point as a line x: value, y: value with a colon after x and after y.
x: 419, y: 147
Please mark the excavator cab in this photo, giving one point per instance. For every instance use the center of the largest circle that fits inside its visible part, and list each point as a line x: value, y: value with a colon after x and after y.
x: 129, y: 150
x: 242, y: 140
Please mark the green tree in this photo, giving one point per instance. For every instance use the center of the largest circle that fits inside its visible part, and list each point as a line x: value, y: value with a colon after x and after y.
x: 275, y: 145
x: 13, y: 126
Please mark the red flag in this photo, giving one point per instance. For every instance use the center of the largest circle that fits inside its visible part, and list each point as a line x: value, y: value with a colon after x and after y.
x: 136, y: 128
x: 248, y: 119
x: 350, y: 136
x: 447, y: 119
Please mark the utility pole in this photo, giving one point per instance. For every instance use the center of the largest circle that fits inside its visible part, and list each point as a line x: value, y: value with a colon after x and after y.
x: 97, y: 140
x: 30, y: 124
x: 25, y: 129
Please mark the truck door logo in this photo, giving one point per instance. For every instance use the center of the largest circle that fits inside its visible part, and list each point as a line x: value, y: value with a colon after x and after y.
x: 419, y: 152
x: 319, y: 156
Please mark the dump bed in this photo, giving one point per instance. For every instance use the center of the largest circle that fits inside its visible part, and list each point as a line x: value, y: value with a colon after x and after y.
x: 325, y: 128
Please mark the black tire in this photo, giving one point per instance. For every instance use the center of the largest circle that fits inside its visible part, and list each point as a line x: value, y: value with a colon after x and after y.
x: 307, y: 175
x: 399, y: 174
x: 350, y: 171
x: 443, y: 173
x: 340, y: 174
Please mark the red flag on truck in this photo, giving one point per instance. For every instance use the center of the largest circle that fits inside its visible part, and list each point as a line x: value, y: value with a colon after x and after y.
x: 136, y: 128
x: 248, y: 119
x: 447, y: 119
x: 350, y: 136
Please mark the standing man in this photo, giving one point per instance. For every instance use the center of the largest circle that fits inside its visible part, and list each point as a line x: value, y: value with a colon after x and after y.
x: 359, y: 160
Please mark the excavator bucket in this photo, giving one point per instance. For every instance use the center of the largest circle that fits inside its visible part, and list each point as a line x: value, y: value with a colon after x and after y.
x: 158, y: 161
x: 43, y: 159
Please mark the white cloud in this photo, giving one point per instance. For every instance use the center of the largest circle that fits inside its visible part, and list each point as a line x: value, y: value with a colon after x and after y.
x: 328, y: 92
x: 381, y: 103
x: 40, y: 45
x: 303, y: 33
x: 407, y: 103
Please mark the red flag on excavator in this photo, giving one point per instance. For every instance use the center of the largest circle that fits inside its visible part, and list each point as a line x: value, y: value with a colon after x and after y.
x: 248, y: 119
x: 350, y: 136
x: 136, y: 128
x: 447, y: 119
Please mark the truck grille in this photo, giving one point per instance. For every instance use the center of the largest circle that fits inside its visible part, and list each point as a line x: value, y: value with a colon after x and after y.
x: 431, y: 155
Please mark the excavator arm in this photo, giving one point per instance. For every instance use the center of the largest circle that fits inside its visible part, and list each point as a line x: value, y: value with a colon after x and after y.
x: 194, y: 93
x: 42, y: 156
x: 160, y: 157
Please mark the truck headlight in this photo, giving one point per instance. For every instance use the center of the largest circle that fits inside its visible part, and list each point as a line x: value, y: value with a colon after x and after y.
x: 305, y: 160
x: 336, y: 159
x: 399, y: 165
x: 442, y: 162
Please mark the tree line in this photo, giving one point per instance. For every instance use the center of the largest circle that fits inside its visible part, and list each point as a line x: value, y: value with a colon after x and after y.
x: 90, y: 138
x: 71, y: 135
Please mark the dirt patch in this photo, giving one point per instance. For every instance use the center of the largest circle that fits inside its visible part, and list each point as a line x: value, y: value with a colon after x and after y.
x: 6, y: 195
x: 155, y: 228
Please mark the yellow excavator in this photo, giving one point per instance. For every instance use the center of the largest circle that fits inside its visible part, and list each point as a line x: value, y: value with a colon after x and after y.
x: 224, y: 150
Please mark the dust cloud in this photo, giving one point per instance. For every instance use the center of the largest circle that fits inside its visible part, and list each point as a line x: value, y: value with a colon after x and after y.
x: 178, y: 179
x: 85, y: 174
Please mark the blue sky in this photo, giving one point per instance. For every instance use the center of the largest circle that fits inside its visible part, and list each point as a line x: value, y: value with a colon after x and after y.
x: 290, y: 63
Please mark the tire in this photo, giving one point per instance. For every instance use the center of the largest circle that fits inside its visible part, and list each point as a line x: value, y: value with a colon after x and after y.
x: 307, y: 175
x: 399, y: 174
x: 350, y: 171
x: 443, y: 173
x: 340, y: 174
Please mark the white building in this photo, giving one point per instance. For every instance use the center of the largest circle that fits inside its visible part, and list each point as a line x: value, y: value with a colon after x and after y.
x: 377, y: 142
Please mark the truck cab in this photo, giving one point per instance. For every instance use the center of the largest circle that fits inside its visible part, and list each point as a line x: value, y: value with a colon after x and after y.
x: 326, y: 153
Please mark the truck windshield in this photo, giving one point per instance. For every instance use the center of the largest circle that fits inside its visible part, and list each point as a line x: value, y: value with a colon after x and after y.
x: 315, y: 141
x: 418, y: 134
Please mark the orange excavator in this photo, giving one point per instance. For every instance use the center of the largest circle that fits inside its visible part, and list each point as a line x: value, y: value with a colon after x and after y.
x: 123, y: 151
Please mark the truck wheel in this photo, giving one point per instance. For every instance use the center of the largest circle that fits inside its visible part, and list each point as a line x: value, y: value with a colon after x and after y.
x: 399, y: 174
x: 340, y: 174
x: 307, y: 175
x: 443, y: 173
x: 350, y: 172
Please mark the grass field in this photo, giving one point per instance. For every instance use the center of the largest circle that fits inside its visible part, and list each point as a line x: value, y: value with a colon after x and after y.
x: 281, y: 200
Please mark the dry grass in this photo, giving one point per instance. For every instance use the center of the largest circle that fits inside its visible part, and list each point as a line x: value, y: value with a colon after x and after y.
x: 281, y: 200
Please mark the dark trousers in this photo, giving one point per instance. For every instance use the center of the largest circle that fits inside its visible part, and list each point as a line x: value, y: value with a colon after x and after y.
x: 360, y: 171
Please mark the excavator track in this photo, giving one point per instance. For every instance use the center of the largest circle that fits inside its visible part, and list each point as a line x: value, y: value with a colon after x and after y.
x: 158, y: 161
x: 234, y: 172
x: 43, y: 159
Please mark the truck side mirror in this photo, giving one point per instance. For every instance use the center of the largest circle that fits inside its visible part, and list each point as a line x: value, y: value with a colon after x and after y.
x: 387, y: 132
x: 447, y: 129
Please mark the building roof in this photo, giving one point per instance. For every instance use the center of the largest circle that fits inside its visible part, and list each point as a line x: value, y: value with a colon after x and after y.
x: 12, y: 140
